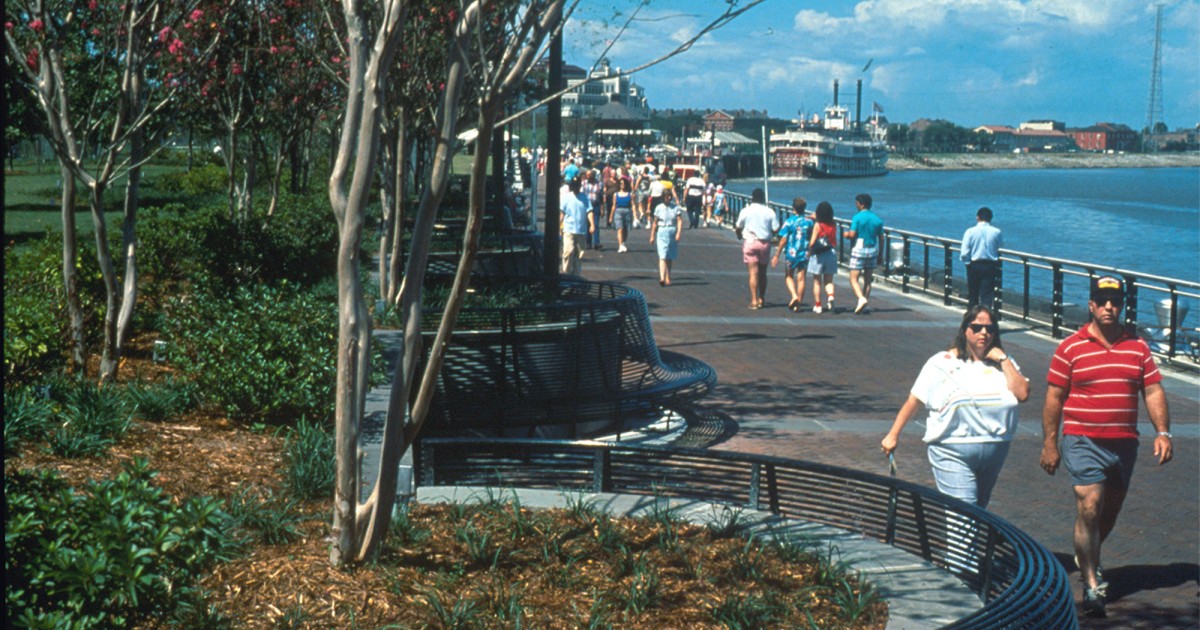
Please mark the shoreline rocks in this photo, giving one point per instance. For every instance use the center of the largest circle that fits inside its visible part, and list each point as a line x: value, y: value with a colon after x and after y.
x: 1001, y: 161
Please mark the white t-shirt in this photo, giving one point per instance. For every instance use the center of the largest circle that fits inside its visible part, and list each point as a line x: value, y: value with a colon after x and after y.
x: 656, y: 188
x: 695, y: 186
x: 758, y: 222
x: 968, y: 401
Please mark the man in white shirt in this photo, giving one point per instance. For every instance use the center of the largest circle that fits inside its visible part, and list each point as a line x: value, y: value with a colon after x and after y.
x: 576, y: 221
x: 756, y: 226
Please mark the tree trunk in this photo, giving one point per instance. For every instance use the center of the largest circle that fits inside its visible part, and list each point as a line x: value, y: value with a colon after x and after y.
x: 110, y: 351
x: 70, y: 257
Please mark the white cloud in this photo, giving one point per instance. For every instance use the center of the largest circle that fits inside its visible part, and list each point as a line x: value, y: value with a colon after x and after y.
x: 1028, y: 80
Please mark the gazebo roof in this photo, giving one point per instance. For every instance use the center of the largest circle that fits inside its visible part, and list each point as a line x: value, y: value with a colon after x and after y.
x: 616, y: 112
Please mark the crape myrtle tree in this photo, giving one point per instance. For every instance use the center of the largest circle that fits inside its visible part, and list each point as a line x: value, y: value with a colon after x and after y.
x: 102, y: 72
x: 264, y: 90
x: 491, y: 47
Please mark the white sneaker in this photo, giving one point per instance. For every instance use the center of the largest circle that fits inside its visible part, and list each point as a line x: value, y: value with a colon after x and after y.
x: 862, y: 303
x: 622, y: 249
x: 817, y: 309
x: 829, y: 304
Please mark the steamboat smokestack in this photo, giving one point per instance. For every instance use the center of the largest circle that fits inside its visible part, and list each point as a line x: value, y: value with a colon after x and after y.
x: 858, y: 108
x: 835, y: 90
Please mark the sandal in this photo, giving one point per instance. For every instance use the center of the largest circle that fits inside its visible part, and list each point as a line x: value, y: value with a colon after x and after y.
x: 794, y: 306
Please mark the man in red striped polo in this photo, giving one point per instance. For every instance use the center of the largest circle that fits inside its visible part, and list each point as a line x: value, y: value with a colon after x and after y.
x: 1094, y: 381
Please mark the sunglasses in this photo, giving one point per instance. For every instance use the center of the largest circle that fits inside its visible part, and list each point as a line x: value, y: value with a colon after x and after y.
x: 1116, y: 302
x: 978, y: 328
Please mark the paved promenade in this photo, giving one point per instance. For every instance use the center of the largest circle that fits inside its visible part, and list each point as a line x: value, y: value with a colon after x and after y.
x: 826, y: 388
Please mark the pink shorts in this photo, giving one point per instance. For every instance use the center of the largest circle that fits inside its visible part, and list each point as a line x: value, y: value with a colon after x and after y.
x: 755, y: 251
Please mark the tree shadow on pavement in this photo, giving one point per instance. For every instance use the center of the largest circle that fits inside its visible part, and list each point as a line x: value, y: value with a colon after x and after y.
x: 801, y: 399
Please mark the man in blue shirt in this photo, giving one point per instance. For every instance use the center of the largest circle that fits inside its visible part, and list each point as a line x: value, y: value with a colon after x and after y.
x: 866, y: 230
x: 576, y: 221
x: 981, y: 252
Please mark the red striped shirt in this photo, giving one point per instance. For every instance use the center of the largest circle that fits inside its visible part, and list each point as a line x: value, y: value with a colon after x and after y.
x: 1102, y: 383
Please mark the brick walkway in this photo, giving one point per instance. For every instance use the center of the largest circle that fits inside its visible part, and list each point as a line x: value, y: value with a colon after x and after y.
x: 827, y: 387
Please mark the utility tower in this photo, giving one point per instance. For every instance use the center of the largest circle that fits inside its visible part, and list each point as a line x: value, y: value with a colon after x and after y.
x: 1154, y: 110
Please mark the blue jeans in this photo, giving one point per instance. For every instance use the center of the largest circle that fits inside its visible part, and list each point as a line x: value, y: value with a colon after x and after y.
x: 968, y: 471
x: 594, y: 237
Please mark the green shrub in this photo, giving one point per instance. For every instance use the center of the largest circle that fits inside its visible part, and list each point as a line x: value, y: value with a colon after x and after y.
x: 116, y: 554
x: 157, y: 402
x: 309, y: 465
x: 36, y: 332
x: 26, y: 414
x: 86, y: 418
x: 266, y: 353
x: 263, y: 516
x: 201, y: 181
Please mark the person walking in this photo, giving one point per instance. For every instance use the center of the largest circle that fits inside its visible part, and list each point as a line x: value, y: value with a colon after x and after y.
x: 866, y: 231
x: 981, y: 252
x: 641, y: 196
x: 595, y: 196
x: 794, y: 237
x: 971, y: 391
x: 666, y: 228
x: 576, y: 220
x: 693, y: 197
x: 620, y: 215
x: 822, y: 259
x: 1092, y: 396
x: 756, y: 225
x: 719, y: 205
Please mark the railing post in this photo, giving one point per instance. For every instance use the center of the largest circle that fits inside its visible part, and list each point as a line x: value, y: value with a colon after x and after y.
x: 1172, y: 336
x: 904, y: 269
x: 998, y: 299
x: 602, y: 471
x: 986, y: 562
x: 1056, y: 301
x: 925, y: 271
x: 1025, y: 301
x: 755, y: 480
x: 893, y: 498
x: 1131, y: 302
x: 922, y: 527
x: 948, y: 284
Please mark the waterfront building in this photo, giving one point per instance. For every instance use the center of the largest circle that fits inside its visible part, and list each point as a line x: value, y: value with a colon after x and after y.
x: 1105, y: 136
x: 591, y: 91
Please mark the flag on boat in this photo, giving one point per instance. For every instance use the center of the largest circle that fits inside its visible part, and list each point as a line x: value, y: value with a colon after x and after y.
x: 875, y: 106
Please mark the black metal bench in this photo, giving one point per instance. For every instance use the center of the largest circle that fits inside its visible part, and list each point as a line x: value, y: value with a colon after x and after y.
x: 583, y: 366
x: 1020, y: 582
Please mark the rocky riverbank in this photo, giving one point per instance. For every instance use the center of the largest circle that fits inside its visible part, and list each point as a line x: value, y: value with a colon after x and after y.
x: 995, y: 161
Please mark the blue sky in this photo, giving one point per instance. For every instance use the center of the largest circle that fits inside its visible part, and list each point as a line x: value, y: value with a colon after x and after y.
x: 972, y: 62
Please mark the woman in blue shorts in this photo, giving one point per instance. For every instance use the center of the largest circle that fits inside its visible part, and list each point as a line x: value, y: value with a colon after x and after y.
x: 823, y: 264
x: 621, y: 214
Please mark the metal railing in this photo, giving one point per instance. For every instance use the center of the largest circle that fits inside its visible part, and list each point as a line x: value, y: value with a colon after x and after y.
x: 1020, y: 582
x: 1049, y: 293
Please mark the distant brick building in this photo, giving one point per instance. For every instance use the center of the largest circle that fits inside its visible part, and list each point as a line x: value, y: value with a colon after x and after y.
x: 1104, y: 136
x: 718, y: 121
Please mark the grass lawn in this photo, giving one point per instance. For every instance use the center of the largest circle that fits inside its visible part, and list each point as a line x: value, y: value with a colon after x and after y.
x: 31, y: 199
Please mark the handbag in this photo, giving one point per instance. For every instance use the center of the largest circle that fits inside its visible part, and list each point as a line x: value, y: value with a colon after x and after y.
x: 821, y: 245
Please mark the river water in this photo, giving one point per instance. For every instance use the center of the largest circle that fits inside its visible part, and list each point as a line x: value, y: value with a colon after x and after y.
x: 1143, y: 220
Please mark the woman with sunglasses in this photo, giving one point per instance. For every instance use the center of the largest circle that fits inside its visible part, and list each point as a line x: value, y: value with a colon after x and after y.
x: 972, y: 391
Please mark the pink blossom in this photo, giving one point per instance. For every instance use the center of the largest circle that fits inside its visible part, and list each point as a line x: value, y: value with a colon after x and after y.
x: 196, y: 15
x: 274, y: 50
x: 175, y: 47
x: 164, y: 34
x: 336, y: 59
x: 237, y: 68
x: 8, y: 26
x: 95, y: 32
x: 92, y: 5
x: 37, y: 24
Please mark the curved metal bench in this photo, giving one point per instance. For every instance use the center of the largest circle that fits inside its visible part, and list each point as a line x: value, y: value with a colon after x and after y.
x: 1021, y: 583
x: 584, y: 365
